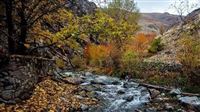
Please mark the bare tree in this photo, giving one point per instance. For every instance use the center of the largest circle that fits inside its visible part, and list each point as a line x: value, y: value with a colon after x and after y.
x: 183, y: 7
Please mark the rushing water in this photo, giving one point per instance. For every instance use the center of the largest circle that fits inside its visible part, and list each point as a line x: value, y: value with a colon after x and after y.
x: 115, y: 95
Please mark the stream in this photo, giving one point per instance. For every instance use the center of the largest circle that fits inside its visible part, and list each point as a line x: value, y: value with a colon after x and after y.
x: 113, y: 94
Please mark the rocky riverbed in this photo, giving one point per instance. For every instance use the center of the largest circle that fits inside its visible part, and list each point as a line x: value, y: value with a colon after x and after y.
x: 115, y: 95
x: 87, y: 92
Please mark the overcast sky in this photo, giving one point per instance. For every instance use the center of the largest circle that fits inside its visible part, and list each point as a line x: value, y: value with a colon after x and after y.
x: 161, y: 6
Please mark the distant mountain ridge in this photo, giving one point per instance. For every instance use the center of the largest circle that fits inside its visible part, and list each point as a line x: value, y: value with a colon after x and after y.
x: 153, y: 22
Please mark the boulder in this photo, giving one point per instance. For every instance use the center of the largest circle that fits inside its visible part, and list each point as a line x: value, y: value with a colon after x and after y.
x: 191, y: 101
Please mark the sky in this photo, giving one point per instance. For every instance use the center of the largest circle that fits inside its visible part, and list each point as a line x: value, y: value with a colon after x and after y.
x: 161, y: 6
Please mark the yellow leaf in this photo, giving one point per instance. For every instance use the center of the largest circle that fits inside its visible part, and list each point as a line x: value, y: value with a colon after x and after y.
x: 27, y: 45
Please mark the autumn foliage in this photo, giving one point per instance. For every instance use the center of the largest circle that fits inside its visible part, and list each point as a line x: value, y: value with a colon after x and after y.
x: 97, y: 54
x: 142, y: 41
x: 111, y: 57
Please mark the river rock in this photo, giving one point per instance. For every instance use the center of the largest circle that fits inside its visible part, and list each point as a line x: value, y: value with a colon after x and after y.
x: 115, y: 82
x: 130, y: 84
x: 175, y: 92
x: 98, y: 82
x: 9, y: 87
x: 154, y: 93
x: 75, y: 81
x: 150, y: 110
x: 168, y: 107
x: 103, y: 80
x: 129, y: 98
x: 192, y: 101
x: 84, y: 107
x: 181, y: 110
x: 88, y: 74
x: 121, y: 92
x: 8, y: 94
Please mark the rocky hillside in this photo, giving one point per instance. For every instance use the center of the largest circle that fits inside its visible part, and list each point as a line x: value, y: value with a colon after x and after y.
x: 191, y: 26
x: 154, y: 21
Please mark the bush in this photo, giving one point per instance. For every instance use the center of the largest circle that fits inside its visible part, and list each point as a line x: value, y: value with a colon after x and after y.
x: 156, y: 46
x: 142, y: 41
x: 189, y: 57
x: 130, y: 62
x: 97, y: 55
x: 190, y: 52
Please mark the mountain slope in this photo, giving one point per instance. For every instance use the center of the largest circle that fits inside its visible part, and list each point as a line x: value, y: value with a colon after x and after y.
x: 153, y: 22
x: 170, y: 38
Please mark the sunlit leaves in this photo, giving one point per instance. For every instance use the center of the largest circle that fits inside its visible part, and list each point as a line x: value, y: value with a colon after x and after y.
x: 97, y: 54
x: 189, y: 55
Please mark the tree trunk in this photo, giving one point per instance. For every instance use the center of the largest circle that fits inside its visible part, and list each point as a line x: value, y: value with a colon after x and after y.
x: 9, y: 22
x: 23, y: 29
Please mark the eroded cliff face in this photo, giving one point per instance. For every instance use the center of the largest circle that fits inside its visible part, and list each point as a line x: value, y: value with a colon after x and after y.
x: 81, y: 7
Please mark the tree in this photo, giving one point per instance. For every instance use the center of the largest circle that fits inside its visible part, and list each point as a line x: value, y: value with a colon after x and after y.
x: 183, y: 7
x: 9, y: 21
x: 23, y: 14
x: 123, y: 10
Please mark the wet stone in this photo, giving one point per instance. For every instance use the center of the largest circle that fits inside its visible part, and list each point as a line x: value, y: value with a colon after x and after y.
x: 192, y: 101
x: 84, y: 107
x: 150, y: 110
x: 181, y: 110
x: 9, y: 87
x: 129, y: 85
x: 121, y: 92
x: 129, y: 98
x: 115, y: 82
x: 8, y: 94
x: 168, y: 107
x: 154, y: 93
x: 175, y: 92
x: 98, y: 82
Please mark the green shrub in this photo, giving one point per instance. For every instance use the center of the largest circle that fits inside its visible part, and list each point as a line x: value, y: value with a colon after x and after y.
x: 189, y: 57
x: 156, y: 46
x: 130, y: 62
